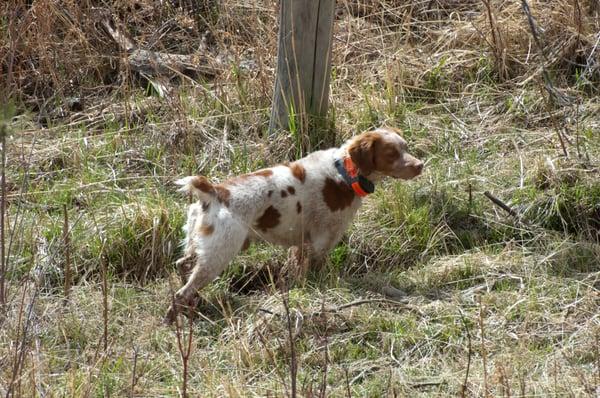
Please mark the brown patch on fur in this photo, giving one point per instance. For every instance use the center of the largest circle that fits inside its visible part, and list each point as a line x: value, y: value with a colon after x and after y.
x: 264, y: 173
x: 223, y: 194
x: 362, y: 152
x: 337, y: 194
x: 298, y: 207
x: 283, y: 193
x: 269, y: 193
x: 291, y: 190
x: 207, y: 229
x: 385, y: 155
x: 201, y: 183
x: 269, y: 219
x: 298, y: 171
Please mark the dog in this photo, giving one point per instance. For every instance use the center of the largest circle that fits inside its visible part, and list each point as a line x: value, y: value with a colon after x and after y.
x: 305, y: 205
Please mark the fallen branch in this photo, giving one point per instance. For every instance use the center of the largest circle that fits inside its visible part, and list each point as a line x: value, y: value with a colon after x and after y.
x: 157, y: 67
x: 426, y: 384
x: 463, y: 387
x: 502, y: 205
x: 349, y: 305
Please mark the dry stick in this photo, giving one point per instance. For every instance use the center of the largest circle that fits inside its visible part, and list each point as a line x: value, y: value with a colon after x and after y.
x: 347, y: 383
x: 20, y: 348
x: 597, y: 338
x: 2, y: 211
x: 348, y: 305
x: 365, y: 301
x: 184, y: 352
x: 133, y: 375
x: 548, y: 104
x: 496, y: 40
x: 323, y: 389
x: 427, y: 384
x: 293, y: 360
x: 152, y: 252
x: 463, y: 387
x: 389, y: 384
x: 104, y: 301
x: 577, y: 18
x: 501, y: 204
x: 553, y: 95
x: 555, y: 375
x: 504, y: 382
x: 483, y: 353
x: 67, y: 244
x: 16, y: 357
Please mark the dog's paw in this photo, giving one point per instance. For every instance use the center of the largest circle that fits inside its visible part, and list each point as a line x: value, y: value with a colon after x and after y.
x: 183, y: 305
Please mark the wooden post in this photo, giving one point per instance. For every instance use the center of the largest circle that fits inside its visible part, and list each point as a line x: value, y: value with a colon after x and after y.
x: 303, y: 63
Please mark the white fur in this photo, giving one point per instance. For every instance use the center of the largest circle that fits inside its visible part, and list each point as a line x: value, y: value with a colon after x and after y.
x: 234, y: 219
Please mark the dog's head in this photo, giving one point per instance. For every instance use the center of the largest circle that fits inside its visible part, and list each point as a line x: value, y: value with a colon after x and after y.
x: 382, y: 152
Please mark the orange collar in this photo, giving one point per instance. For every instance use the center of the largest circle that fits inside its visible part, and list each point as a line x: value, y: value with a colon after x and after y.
x: 359, y: 183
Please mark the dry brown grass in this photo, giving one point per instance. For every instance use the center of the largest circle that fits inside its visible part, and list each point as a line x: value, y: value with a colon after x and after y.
x: 464, y: 82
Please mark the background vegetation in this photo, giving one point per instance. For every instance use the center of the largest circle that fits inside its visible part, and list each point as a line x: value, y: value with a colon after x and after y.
x: 435, y: 291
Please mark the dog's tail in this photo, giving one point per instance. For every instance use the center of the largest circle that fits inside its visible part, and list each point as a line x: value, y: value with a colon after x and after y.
x: 198, y: 186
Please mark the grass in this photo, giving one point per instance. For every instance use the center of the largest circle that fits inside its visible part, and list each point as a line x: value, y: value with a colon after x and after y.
x: 427, y: 268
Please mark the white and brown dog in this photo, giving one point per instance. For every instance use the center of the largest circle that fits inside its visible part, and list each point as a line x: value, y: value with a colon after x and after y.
x: 307, y: 204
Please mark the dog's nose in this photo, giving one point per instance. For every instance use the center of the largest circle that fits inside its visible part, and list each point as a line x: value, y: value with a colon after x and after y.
x: 419, y: 166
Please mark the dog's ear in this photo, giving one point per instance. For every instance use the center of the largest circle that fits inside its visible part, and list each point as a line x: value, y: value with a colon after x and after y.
x: 362, y: 152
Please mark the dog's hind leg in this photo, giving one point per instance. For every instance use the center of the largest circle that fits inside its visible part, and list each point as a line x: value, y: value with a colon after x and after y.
x: 184, y: 266
x: 214, y: 251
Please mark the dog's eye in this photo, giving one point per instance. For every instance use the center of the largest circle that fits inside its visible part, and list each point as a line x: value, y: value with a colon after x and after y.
x: 391, y: 155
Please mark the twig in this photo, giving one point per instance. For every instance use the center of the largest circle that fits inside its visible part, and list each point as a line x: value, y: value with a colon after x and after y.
x: 427, y: 384
x: 185, y: 352
x: 18, y: 347
x: 67, y: 247
x: 293, y: 359
x: 463, y: 387
x: 554, y: 97
x: 501, y: 204
x: 597, y: 352
x: 483, y: 351
x: 133, y: 375
x: 348, y: 305
x: 362, y: 302
x: 323, y: 389
x: 498, y: 45
x: 103, y: 266
x: 348, y: 391
x: 2, y: 211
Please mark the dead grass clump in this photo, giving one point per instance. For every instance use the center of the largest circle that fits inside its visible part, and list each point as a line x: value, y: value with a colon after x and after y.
x: 571, y: 210
x: 467, y: 46
x: 138, y: 240
x: 399, y: 14
x: 567, y: 31
x: 58, y: 57
x: 53, y: 53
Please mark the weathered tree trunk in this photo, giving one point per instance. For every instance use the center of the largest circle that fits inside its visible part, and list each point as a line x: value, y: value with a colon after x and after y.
x: 303, y: 64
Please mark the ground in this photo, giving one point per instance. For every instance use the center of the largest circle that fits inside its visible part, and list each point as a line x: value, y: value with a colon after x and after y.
x: 434, y: 291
